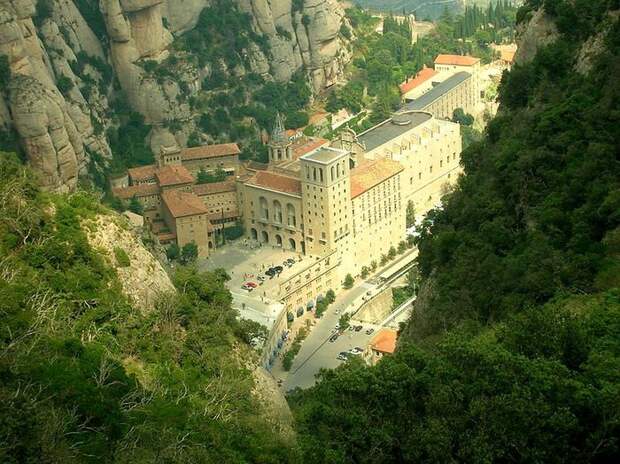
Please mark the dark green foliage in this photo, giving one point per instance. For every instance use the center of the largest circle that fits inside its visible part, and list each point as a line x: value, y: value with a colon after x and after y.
x: 85, y: 377
x: 289, y: 356
x: 222, y: 33
x: 189, y: 253
x: 211, y: 177
x: 121, y: 257
x: 544, y: 389
x: 538, y: 198
x: 43, y: 11
x: 5, y: 73
x: 410, y: 214
x: 128, y: 142
x: 465, y: 119
x: 348, y: 281
x: 135, y: 206
x: 173, y: 252
x: 90, y: 11
x: 64, y: 84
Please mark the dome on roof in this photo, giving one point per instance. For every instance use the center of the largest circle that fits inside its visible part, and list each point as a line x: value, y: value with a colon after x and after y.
x: 401, y: 119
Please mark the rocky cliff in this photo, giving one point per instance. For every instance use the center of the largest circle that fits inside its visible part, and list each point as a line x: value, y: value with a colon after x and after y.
x: 78, y: 59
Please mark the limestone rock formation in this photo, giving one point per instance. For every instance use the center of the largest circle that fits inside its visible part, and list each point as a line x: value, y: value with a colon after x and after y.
x: 49, y: 135
x: 144, y: 279
x: 56, y: 131
x: 538, y: 32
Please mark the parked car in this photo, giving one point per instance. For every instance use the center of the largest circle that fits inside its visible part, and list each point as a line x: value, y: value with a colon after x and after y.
x: 343, y: 356
x: 249, y: 286
x: 290, y: 261
x: 270, y: 272
x: 261, y: 278
x: 369, y: 331
x: 358, y: 328
x: 334, y: 337
x: 356, y: 350
x: 277, y: 269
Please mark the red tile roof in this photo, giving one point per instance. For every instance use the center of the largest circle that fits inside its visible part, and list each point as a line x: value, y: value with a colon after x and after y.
x: 173, y: 175
x: 384, y: 341
x: 142, y: 173
x: 306, y: 145
x: 210, y: 151
x: 456, y: 60
x: 371, y: 174
x: 182, y: 204
x: 277, y: 182
x: 215, y: 187
x: 142, y: 190
x: 421, y: 77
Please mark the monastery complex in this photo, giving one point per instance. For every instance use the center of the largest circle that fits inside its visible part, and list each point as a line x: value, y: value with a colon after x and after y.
x: 340, y: 202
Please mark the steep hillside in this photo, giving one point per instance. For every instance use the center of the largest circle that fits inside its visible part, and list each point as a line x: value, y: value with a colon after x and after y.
x: 513, y: 350
x: 91, y: 372
x: 75, y: 72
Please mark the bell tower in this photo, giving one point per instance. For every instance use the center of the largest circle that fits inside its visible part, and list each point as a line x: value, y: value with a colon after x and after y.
x: 326, y: 200
x: 280, y: 147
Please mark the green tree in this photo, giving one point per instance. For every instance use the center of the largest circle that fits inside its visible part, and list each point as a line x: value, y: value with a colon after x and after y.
x: 410, y: 214
x: 348, y: 281
x: 173, y: 252
x: 189, y: 253
x: 135, y: 206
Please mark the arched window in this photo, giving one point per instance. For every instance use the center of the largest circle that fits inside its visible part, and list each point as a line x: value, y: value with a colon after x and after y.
x: 278, y: 240
x: 291, y: 219
x: 277, y: 211
x: 264, y: 208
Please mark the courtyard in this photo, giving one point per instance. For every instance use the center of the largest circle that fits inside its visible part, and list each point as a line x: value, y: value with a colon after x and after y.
x: 246, y: 261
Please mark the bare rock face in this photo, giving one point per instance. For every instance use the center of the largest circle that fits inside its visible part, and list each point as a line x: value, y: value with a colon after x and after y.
x: 144, y: 280
x: 537, y: 33
x: 49, y: 136
x: 54, y: 129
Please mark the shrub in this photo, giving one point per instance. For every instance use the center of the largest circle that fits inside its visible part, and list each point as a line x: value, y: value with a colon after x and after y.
x: 173, y: 252
x: 121, y: 257
x: 348, y: 281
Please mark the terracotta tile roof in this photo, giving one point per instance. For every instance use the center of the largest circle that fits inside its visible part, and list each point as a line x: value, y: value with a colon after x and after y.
x: 215, y: 187
x: 420, y: 78
x: 384, y: 341
x: 166, y: 236
x: 142, y: 173
x: 142, y: 190
x: 456, y: 60
x: 182, y: 204
x: 173, y: 175
x: 370, y: 174
x: 277, y: 182
x: 210, y: 151
x: 306, y: 145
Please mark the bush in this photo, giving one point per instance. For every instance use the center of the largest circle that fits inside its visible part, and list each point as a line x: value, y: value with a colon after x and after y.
x: 348, y: 281
x: 64, y: 84
x: 173, y: 252
x: 121, y: 257
x: 365, y: 271
x: 189, y: 253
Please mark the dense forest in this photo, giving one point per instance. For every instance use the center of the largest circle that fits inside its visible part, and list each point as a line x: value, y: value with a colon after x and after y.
x: 513, y: 350
x: 85, y: 376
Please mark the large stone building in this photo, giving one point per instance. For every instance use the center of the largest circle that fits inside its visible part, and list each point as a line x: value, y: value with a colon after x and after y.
x: 453, y: 83
x: 340, y: 203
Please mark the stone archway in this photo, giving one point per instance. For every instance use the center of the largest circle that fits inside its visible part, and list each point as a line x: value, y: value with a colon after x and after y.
x: 278, y: 240
x: 292, y: 244
x: 264, y: 236
x: 253, y: 233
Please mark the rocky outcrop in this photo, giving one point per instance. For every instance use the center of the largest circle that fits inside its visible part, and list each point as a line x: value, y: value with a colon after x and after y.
x: 56, y: 130
x: 48, y: 134
x: 539, y: 31
x: 144, y: 280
